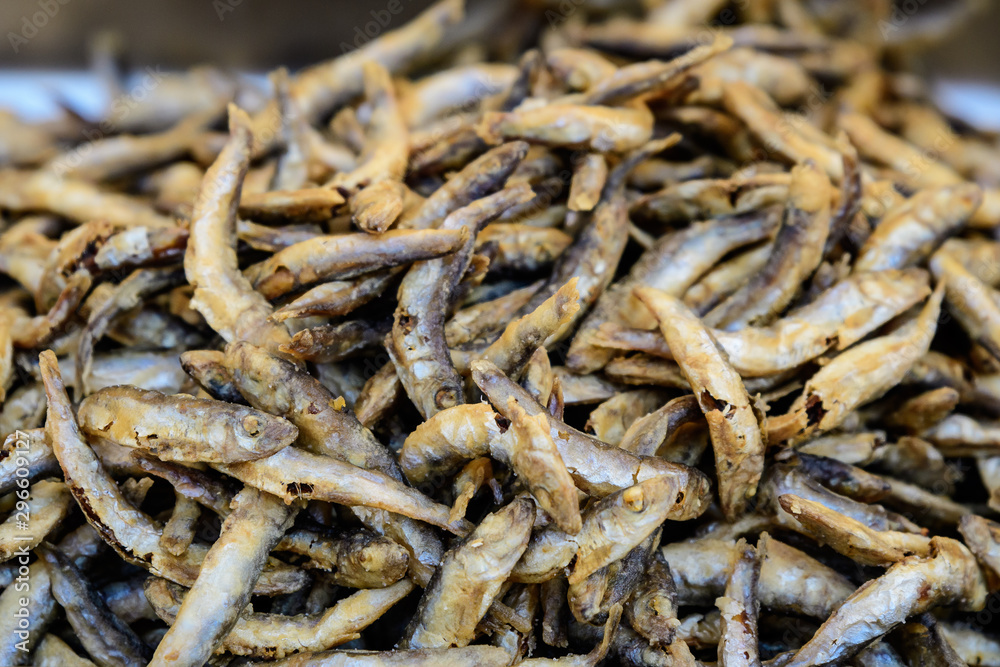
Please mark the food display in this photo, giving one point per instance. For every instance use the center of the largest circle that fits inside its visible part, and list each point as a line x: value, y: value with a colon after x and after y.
x: 661, y: 333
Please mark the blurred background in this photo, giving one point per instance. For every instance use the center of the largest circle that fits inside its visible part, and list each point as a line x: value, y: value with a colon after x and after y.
x: 47, y: 36
x: 243, y: 34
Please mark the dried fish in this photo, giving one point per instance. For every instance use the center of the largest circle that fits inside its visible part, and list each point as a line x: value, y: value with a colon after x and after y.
x: 113, y: 157
x: 461, y: 87
x: 320, y: 88
x: 386, y: 148
x: 38, y: 510
x: 180, y: 428
x: 916, y: 584
x: 792, y: 581
x: 653, y: 610
x: 28, y: 451
x: 462, y: 433
x: 516, y: 299
x: 614, y: 418
x: 129, y: 294
x: 783, y: 479
x: 276, y: 636
x: 292, y: 474
x: 842, y: 478
x: 74, y: 199
x: 479, y: 655
x: 779, y: 135
x: 852, y: 538
x: 337, y: 297
x: 589, y: 176
x: 595, y: 656
x: 521, y: 247
x: 307, y: 205
x: 597, y: 468
x: 922, y: 641
x: 130, y: 532
x: 227, y: 578
x: 273, y: 239
x: 671, y: 265
x: 179, y: 530
x: 923, y: 411
x: 841, y: 386
x: 357, y: 558
x: 935, y: 510
x: 732, y: 419
x: 221, y: 294
x: 511, y: 351
x: 417, y: 345
x: 347, y: 256
x: 969, y: 299
x: 912, y: 230
x: 336, y: 342
x: 616, y: 524
x: 377, y: 206
x: 469, y: 578
x: 109, y: 640
x: 652, y: 77
x: 738, y: 643
x: 798, y: 249
x: 972, y: 646
x: 830, y: 320
x: 207, y: 368
x: 874, y: 143
x: 482, y: 176
x: 79, y: 546
x: 597, y: 128
x: 54, y: 652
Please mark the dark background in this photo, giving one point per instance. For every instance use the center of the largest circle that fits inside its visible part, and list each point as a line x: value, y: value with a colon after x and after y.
x: 248, y: 34
x: 262, y: 34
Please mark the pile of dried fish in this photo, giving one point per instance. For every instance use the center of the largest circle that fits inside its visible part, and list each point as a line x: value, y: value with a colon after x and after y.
x: 674, y: 342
